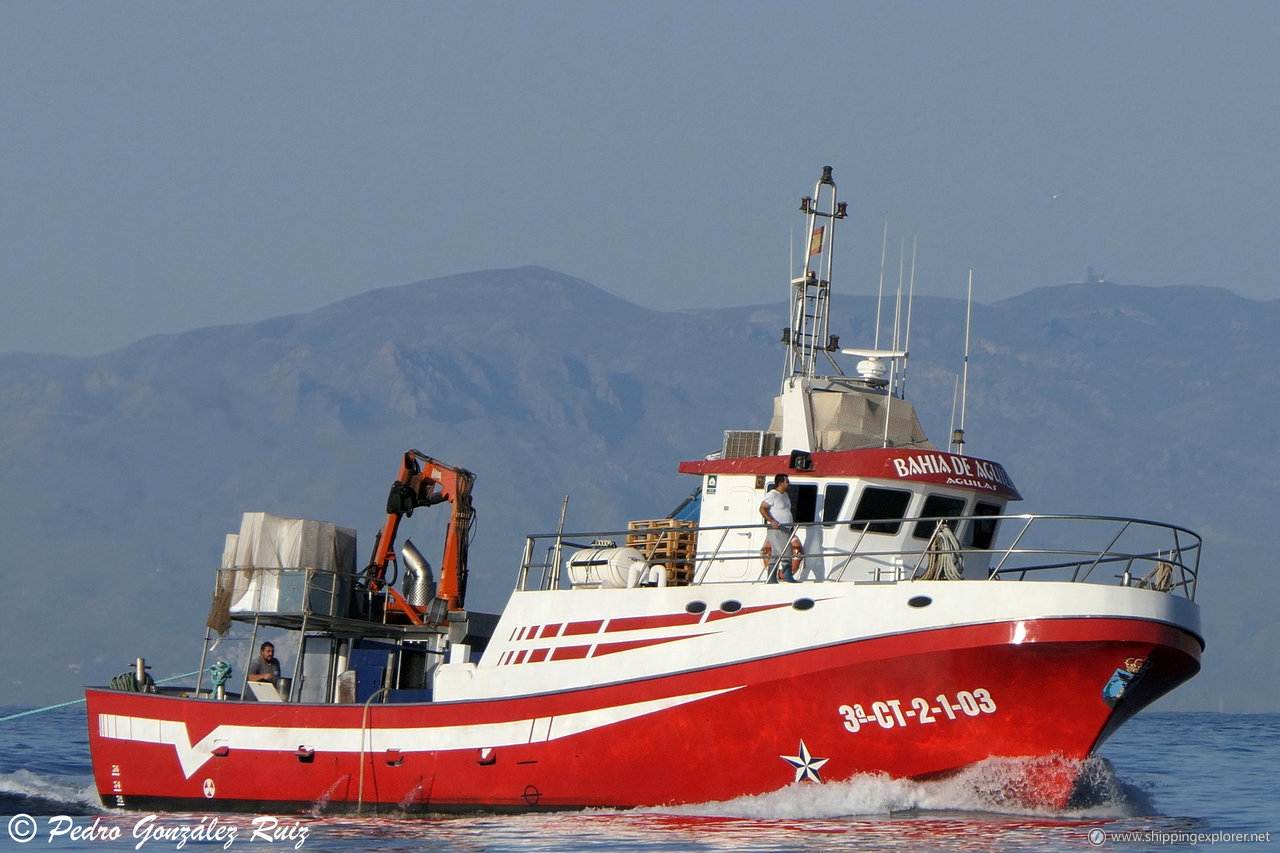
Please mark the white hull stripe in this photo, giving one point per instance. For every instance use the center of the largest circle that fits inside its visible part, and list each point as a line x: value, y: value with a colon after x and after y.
x: 191, y: 757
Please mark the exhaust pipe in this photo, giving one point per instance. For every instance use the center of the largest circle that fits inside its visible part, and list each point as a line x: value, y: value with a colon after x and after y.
x: 419, y: 582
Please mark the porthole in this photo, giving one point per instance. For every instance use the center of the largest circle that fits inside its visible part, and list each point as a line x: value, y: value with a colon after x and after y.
x: 695, y: 607
x: 919, y: 601
x: 803, y: 604
x: 731, y: 606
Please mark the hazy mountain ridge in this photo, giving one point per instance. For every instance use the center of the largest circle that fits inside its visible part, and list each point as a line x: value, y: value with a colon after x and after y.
x: 121, y: 472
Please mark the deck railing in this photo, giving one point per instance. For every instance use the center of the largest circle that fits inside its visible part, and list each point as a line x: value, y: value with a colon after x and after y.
x: 1081, y: 549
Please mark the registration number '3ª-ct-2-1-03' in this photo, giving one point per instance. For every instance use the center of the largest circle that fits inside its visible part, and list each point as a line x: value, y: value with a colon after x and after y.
x: 888, y: 713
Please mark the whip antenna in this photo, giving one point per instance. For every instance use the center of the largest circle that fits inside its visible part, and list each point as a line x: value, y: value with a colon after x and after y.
x: 911, y: 296
x: 957, y: 436
x: 884, y: 245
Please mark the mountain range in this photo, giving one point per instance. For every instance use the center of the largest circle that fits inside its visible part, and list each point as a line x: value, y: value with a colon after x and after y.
x: 120, y: 473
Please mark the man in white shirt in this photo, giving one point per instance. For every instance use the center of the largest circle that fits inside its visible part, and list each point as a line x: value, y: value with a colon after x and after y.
x: 776, y: 511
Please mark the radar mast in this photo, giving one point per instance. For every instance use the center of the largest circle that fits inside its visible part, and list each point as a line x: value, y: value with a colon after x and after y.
x: 808, y: 333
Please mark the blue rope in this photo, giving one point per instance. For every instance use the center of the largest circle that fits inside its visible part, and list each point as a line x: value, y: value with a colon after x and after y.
x: 219, y: 673
x: 80, y: 701
x: 38, y: 710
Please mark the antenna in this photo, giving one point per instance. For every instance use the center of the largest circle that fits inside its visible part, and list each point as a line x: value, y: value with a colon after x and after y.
x: 957, y: 436
x: 955, y: 391
x: 911, y: 295
x: 884, y: 244
x: 897, y: 299
x: 888, y: 407
x: 893, y: 365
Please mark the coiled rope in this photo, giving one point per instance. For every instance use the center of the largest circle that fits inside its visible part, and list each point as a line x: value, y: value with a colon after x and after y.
x: 219, y: 673
x: 944, y: 560
x: 127, y: 682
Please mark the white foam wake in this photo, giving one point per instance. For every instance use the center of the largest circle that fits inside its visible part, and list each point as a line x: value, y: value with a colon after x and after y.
x: 72, y: 791
x: 994, y: 786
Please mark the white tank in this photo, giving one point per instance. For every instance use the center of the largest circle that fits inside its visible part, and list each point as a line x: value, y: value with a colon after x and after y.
x: 608, y: 568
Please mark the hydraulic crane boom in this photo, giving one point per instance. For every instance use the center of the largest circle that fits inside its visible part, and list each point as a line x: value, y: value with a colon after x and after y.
x: 424, y: 481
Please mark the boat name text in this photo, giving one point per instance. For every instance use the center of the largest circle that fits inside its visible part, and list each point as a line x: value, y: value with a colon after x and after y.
x: 890, y: 713
x: 972, y: 472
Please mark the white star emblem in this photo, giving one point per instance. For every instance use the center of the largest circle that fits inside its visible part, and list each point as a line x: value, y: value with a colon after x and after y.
x: 806, y: 765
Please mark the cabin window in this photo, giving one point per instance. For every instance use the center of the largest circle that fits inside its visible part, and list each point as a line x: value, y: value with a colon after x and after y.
x: 833, y: 502
x: 937, y: 506
x: 880, y: 510
x: 982, y: 531
x: 804, y: 501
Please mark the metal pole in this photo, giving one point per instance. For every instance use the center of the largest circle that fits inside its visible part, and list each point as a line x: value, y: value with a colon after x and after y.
x: 555, y: 573
x: 968, y: 316
x: 204, y: 653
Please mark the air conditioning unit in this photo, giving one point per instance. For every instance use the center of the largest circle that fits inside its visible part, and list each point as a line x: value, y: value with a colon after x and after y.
x: 744, y: 443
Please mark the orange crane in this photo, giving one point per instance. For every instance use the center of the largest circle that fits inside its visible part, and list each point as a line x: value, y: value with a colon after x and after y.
x: 424, y: 481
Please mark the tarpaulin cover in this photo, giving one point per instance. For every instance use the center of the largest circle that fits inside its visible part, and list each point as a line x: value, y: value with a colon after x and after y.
x: 267, y: 544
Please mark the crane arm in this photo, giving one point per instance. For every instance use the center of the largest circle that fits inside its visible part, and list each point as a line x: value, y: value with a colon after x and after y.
x: 424, y: 481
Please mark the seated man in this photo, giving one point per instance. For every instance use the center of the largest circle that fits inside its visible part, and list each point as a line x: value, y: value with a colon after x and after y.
x: 266, y: 667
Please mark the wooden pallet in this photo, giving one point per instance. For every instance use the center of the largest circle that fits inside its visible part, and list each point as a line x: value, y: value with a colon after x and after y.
x: 669, y: 542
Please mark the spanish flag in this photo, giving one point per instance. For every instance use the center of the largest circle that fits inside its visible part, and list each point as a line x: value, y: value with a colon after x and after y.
x: 815, y: 241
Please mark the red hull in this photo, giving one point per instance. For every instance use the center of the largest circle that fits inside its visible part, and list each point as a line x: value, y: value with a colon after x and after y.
x: 912, y: 705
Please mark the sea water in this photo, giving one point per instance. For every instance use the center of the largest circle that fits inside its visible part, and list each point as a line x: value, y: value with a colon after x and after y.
x: 1165, y: 780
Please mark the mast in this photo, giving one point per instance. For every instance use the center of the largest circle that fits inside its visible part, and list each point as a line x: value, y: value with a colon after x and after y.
x: 808, y: 333
x: 808, y: 416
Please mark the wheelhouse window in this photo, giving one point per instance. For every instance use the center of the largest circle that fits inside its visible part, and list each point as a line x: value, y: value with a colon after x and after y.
x: 982, y: 531
x: 937, y: 506
x: 804, y: 501
x: 833, y: 502
x: 880, y: 510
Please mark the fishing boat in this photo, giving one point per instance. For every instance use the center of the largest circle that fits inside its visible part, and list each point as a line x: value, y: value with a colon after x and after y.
x: 900, y: 621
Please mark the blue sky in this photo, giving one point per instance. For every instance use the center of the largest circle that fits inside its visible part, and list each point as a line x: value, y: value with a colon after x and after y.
x: 174, y: 165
